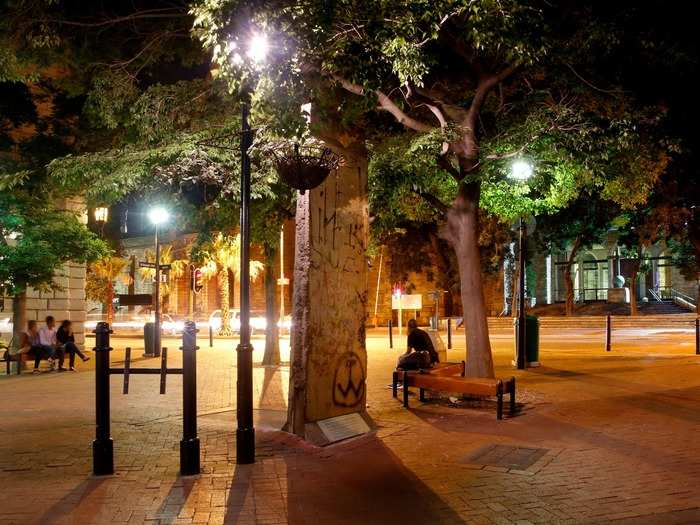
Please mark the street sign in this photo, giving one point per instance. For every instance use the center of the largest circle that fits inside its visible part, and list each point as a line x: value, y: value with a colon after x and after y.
x: 147, y: 264
x: 283, y: 281
x: 407, y: 302
x: 135, y: 299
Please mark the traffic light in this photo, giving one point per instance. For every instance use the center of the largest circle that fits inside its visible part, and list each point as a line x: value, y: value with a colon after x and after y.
x: 197, y: 280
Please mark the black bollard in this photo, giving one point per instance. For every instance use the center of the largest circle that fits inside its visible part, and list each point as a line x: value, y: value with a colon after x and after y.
x: 697, y: 336
x: 608, y: 333
x: 163, y: 369
x: 189, y: 445
x: 449, y: 333
x: 211, y: 336
x: 391, y: 334
x: 102, y: 446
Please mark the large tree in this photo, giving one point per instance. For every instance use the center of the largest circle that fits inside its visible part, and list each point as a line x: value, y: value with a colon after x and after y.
x: 459, y: 75
x: 36, y: 240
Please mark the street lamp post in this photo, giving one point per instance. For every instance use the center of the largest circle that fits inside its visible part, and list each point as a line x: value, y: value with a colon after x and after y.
x: 520, y: 340
x: 101, y: 216
x: 157, y: 216
x: 521, y: 171
x: 245, y: 431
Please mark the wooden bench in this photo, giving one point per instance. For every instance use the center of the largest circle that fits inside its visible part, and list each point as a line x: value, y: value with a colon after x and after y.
x: 5, y: 354
x: 20, y: 358
x: 449, y: 377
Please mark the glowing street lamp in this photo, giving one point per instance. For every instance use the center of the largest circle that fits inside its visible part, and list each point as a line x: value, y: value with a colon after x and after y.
x: 257, y: 51
x: 258, y: 48
x: 101, y: 214
x: 157, y: 216
x: 521, y: 171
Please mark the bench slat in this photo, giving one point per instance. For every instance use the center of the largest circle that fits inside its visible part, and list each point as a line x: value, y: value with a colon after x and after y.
x: 455, y: 384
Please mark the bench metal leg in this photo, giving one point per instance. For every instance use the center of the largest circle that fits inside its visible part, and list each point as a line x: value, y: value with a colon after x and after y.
x: 394, y: 381
x: 422, y: 395
x: 512, y: 396
x: 499, y: 396
x: 464, y: 368
x: 405, y: 390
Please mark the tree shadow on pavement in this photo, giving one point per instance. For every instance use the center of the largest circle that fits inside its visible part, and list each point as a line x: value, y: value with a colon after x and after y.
x: 360, y: 481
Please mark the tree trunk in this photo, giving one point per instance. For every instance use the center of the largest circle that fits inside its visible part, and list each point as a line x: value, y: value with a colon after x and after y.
x: 515, y: 289
x: 633, y: 290
x: 225, y: 328
x: 694, y: 234
x: 19, y: 318
x: 132, y: 279
x: 272, y: 342
x: 110, y: 302
x: 633, y: 282
x: 463, y: 232
x: 567, y: 277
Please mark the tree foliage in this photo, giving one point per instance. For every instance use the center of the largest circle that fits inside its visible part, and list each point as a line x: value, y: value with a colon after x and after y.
x: 37, y: 239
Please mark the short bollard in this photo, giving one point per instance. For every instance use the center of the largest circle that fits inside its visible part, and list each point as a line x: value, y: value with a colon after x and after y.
x: 608, y: 333
x: 163, y: 369
x: 697, y: 336
x: 211, y: 336
x: 391, y: 334
x: 102, y: 446
x: 189, y: 445
x: 449, y: 333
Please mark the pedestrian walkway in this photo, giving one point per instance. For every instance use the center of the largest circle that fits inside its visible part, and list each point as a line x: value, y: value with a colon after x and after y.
x: 601, y: 437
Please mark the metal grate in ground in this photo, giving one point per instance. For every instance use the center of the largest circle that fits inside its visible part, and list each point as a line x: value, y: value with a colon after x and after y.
x: 506, y: 456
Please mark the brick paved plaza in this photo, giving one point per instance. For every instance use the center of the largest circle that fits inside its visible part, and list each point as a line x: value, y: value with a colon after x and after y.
x: 600, y: 438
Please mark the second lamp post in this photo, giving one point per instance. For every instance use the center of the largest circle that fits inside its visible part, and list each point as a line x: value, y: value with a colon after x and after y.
x: 157, y: 216
x: 521, y: 171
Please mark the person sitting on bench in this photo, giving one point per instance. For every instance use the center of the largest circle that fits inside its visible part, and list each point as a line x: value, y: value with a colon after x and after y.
x: 31, y: 342
x: 420, y: 352
x: 65, y: 337
x: 47, y: 338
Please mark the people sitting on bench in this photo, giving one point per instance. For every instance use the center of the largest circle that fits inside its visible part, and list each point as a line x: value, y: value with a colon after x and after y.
x: 47, y: 337
x: 65, y: 337
x: 31, y: 342
x: 420, y: 352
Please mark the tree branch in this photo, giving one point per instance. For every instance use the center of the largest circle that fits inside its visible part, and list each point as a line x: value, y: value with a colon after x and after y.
x: 482, y: 90
x: 431, y: 199
x: 150, y: 13
x: 445, y: 164
x: 606, y: 91
x: 385, y: 103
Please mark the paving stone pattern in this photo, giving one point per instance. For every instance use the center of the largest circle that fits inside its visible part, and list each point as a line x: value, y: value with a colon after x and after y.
x: 616, y: 439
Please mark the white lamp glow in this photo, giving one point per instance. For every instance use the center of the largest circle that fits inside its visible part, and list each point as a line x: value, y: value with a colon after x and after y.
x: 158, y: 215
x: 258, y: 47
x: 521, y: 170
x: 101, y: 214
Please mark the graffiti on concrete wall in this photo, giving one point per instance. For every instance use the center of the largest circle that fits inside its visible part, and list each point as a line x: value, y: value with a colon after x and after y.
x: 349, y: 380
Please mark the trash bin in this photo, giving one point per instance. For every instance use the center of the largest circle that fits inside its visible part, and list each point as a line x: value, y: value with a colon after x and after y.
x: 149, y: 340
x: 532, y: 340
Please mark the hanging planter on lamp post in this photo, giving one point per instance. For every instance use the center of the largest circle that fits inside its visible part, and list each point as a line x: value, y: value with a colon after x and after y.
x: 303, y: 166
